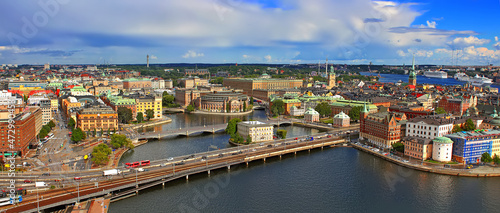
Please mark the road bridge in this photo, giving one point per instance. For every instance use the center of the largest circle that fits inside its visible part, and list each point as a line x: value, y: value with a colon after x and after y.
x: 162, y: 171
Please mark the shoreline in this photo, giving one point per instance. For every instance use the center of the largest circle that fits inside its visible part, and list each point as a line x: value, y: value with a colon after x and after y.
x: 451, y: 172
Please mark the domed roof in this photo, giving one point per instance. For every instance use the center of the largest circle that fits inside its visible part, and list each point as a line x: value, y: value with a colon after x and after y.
x: 495, y: 121
x: 341, y: 115
x: 311, y: 111
x: 442, y: 140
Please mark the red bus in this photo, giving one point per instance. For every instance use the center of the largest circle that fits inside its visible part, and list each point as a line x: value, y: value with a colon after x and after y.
x: 145, y: 163
x: 132, y: 165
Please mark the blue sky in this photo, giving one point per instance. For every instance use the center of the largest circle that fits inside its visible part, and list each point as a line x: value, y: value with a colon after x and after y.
x: 250, y: 31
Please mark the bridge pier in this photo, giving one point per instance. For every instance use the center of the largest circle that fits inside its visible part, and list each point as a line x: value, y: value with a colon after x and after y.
x: 187, y: 177
x: 187, y: 133
x: 264, y: 159
x: 247, y: 163
x: 280, y: 156
x: 228, y: 167
x: 295, y: 152
x: 208, y: 172
x: 213, y: 130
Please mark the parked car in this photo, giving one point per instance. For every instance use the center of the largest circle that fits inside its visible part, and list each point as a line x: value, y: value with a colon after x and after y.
x: 27, y: 181
x: 77, y: 178
x: 170, y: 159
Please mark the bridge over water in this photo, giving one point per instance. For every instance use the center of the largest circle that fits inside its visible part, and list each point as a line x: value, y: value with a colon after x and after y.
x: 163, y: 171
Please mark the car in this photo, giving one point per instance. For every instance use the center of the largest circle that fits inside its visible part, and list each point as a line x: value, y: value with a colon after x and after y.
x: 329, y: 136
x: 170, y: 159
x: 57, y: 180
x: 254, y: 150
x: 93, y: 179
x: 269, y: 146
x: 46, y: 174
x: 296, y: 138
x: 180, y: 163
x: 142, y: 133
x: 221, y: 155
x: 202, y: 160
x: 262, y: 144
x: 203, y: 157
x: 27, y: 181
x: 77, y: 178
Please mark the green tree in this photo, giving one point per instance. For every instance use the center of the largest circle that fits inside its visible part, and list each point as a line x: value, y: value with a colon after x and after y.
x: 94, y: 132
x: 102, y: 132
x: 190, y: 108
x: 77, y: 135
x: 108, y: 131
x: 168, y: 100
x: 496, y: 159
x: 485, y: 157
x: 232, y: 126
x: 51, y: 124
x: 440, y: 110
x: 119, y: 141
x: 323, y: 109
x: 100, y: 154
x: 244, y: 106
x: 281, y: 133
x: 278, y: 107
x: 139, y: 117
x: 124, y: 114
x: 43, y: 133
x: 249, y: 139
x: 71, y: 123
x: 150, y: 114
x: 456, y: 128
x: 400, y: 147
x: 355, y: 112
x: 251, y: 100
x: 469, y: 125
x: 228, y: 107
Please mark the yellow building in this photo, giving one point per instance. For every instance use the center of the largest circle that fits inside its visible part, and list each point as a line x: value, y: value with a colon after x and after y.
x: 54, y: 105
x: 97, y: 118
x: 149, y: 102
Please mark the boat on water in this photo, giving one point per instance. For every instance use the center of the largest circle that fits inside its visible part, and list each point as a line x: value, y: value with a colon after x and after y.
x: 436, y: 74
x: 480, y: 81
x: 460, y: 76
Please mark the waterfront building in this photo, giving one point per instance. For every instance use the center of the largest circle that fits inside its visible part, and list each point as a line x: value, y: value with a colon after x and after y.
x: 101, y: 89
x: 311, y: 115
x: 250, y: 84
x: 97, y: 117
x: 417, y: 147
x: 116, y: 102
x: 258, y: 131
x: 442, y: 149
x: 469, y: 146
x: 152, y: 102
x: 217, y: 102
x: 295, y: 111
x: 341, y: 120
x: 24, y: 135
x: 192, y: 82
x: 381, y: 129
x: 429, y: 126
x: 136, y: 83
x: 185, y: 97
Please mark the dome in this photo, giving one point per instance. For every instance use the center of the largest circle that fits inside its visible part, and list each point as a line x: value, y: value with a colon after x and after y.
x: 495, y: 121
x: 442, y: 140
x: 341, y: 115
x: 311, y: 111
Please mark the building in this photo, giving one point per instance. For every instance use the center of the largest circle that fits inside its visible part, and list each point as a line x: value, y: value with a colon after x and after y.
x: 186, y: 97
x: 116, y: 102
x: 429, y: 126
x: 46, y: 111
x: 97, y: 118
x: 311, y: 115
x: 158, y: 84
x: 454, y: 105
x: 38, y: 115
x: 417, y: 147
x: 192, y: 82
x: 68, y: 104
x: 149, y: 102
x: 381, y: 129
x: 295, y: 111
x: 24, y: 135
x: 25, y: 87
x: 331, y: 78
x: 218, y: 102
x: 136, y: 83
x: 257, y: 130
x: 346, y: 106
x: 196, y: 71
x: 341, y: 120
x: 412, y: 76
x: 469, y: 146
x: 411, y: 111
x: 169, y: 84
x: 8, y: 98
x: 250, y: 84
x: 442, y: 149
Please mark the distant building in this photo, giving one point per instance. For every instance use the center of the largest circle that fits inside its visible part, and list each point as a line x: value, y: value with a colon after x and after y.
x: 97, y: 118
x: 295, y: 111
x: 454, y: 105
x: 169, y: 84
x: 158, y: 84
x: 341, y: 120
x: 196, y: 71
x: 250, y: 84
x: 136, y: 83
x: 417, y: 147
x: 257, y: 130
x: 192, y: 82
x: 217, y: 102
x: 311, y: 115
x: 469, y: 146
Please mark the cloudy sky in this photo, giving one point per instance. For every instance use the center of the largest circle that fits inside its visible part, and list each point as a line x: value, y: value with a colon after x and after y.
x: 250, y: 31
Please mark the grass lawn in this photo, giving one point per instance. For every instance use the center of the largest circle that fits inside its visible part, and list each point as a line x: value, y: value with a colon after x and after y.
x: 327, y: 121
x: 433, y: 161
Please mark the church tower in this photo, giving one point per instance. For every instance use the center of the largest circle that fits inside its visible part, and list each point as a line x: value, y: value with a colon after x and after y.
x: 412, y: 77
x: 331, y: 78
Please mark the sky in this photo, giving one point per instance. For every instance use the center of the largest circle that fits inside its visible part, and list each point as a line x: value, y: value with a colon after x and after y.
x: 443, y: 32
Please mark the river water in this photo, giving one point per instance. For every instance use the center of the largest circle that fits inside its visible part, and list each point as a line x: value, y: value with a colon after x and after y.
x: 329, y: 180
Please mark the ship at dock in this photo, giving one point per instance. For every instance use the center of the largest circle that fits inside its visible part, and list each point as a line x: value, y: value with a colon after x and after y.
x: 436, y: 74
x: 480, y: 81
x: 460, y: 76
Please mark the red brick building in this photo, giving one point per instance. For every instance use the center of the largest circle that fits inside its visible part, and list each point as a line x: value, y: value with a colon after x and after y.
x: 23, y: 132
x: 455, y: 106
x: 411, y: 111
x: 381, y: 129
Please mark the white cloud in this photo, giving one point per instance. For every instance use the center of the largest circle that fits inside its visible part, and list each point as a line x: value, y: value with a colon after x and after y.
x: 418, y: 53
x: 245, y: 56
x: 268, y: 58
x: 496, y: 45
x: 496, y: 38
x: 431, y: 24
x: 462, y: 42
x: 192, y: 54
x: 153, y: 57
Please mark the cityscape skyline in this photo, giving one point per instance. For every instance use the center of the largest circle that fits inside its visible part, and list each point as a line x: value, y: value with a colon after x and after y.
x: 254, y: 31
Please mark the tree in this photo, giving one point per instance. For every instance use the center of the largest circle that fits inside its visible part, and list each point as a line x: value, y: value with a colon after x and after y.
x: 190, y: 108
x: 150, y: 114
x: 251, y: 100
x: 77, y: 135
x: 400, y: 147
x: 456, y: 128
x: 355, y: 112
x: 102, y: 132
x: 244, y: 106
x: 281, y: 133
x: 119, y: 141
x: 51, y: 124
x: 71, y: 123
x: 168, y: 100
x: 43, y: 133
x: 249, y: 139
x: 139, y: 117
x: 108, y: 131
x: 496, y: 159
x: 228, y: 107
x: 100, y: 154
x: 440, y: 110
x: 95, y: 132
x: 124, y: 114
x: 323, y: 109
x: 278, y: 106
x: 485, y: 157
x: 232, y: 126
x: 469, y: 125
